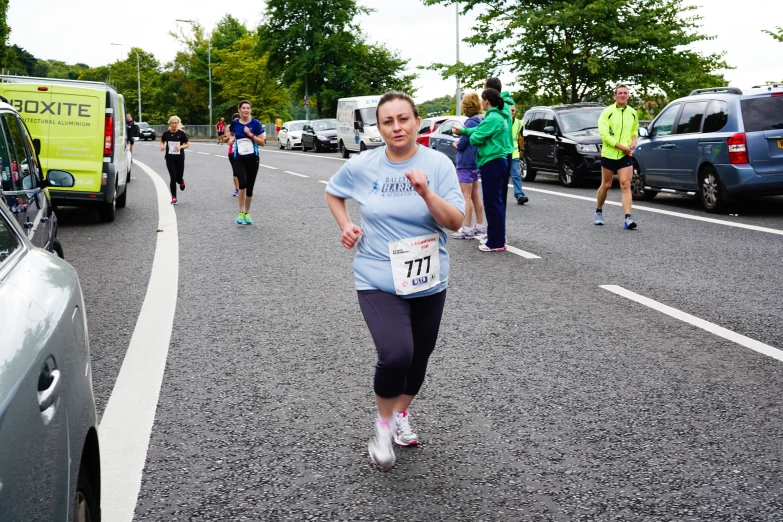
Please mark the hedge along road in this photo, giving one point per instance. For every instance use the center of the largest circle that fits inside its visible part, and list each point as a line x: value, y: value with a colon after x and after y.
x: 548, y: 396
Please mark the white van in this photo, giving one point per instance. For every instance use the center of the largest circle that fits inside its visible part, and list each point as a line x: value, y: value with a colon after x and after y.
x: 357, y: 127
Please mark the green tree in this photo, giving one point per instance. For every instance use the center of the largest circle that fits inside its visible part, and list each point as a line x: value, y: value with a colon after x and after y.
x: 5, y: 31
x: 777, y: 34
x: 244, y: 76
x: 578, y: 50
x: 227, y: 31
x: 444, y: 105
x: 315, y: 44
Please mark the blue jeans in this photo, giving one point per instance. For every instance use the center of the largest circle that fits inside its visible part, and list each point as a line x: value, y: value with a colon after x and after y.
x: 517, y: 178
x: 493, y: 185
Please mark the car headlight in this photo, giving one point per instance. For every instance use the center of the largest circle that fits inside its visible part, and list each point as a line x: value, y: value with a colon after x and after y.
x: 322, y: 137
x: 375, y: 140
x: 586, y: 147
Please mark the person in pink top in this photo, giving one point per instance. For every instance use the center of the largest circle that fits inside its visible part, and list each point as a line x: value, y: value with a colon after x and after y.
x: 231, y: 159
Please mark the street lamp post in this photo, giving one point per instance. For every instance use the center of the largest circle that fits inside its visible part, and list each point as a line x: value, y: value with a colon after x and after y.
x: 138, y: 75
x: 459, y: 94
x: 209, y: 72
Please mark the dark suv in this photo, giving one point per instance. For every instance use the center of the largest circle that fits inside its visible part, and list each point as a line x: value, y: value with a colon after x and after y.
x: 718, y: 143
x: 564, y: 139
x: 146, y: 132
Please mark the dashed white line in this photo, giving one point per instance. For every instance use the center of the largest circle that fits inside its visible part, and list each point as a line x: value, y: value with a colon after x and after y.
x: 267, y: 166
x: 521, y: 253
x: 205, y: 153
x: 295, y: 174
x: 322, y: 181
x: 313, y: 155
x: 665, y: 212
x: 221, y: 156
x: 734, y: 337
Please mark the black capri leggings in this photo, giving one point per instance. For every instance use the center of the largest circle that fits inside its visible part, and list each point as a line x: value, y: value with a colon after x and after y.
x: 176, y: 168
x: 231, y: 161
x: 404, y: 332
x: 246, y: 170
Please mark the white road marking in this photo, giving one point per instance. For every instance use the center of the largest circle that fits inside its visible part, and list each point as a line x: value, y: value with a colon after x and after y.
x: 205, y: 153
x: 219, y: 156
x: 665, y: 212
x: 126, y: 425
x: 734, y: 337
x: 313, y: 155
x: 267, y: 166
x: 322, y: 181
x: 521, y: 253
x: 295, y: 174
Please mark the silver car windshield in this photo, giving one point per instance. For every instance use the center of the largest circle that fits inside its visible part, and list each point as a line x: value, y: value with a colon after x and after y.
x: 295, y: 126
x: 575, y: 121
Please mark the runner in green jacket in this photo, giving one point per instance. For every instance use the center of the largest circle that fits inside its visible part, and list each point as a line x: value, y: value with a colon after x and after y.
x: 618, y: 127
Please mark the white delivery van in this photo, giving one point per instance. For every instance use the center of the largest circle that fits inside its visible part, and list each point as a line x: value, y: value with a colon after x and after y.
x: 357, y: 127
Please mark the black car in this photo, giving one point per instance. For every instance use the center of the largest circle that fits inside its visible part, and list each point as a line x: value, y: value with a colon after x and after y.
x: 146, y: 132
x: 320, y: 135
x: 564, y: 139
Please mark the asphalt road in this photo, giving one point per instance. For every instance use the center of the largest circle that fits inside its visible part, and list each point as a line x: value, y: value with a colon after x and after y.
x: 547, y: 398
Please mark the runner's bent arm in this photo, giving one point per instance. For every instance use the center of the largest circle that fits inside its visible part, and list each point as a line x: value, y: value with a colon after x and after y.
x: 350, y: 231
x: 445, y: 214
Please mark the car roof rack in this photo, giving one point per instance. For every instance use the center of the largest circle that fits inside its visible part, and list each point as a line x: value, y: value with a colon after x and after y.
x: 12, y: 78
x: 727, y: 90
x: 769, y: 86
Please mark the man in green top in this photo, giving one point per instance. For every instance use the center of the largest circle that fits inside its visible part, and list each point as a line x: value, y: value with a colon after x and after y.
x: 618, y: 127
x: 516, y: 130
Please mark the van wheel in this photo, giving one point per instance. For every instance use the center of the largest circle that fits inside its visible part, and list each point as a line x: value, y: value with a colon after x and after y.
x: 344, y: 151
x: 107, y: 210
x: 85, y: 503
x: 711, y: 191
x: 638, y: 192
x: 567, y: 174
x: 362, y: 147
x: 57, y: 247
x: 128, y: 179
x: 123, y: 200
x: 528, y: 174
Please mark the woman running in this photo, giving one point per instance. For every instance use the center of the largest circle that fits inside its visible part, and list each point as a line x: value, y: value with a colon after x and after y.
x: 491, y: 137
x: 174, y: 141
x: 247, y: 134
x: 468, y: 172
x: 407, y: 195
x: 231, y: 159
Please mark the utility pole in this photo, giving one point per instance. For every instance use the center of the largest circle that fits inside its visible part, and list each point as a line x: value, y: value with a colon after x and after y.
x: 459, y: 94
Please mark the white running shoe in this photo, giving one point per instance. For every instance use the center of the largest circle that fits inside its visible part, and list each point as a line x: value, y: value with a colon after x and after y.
x: 480, y: 231
x: 380, y: 447
x: 403, y: 434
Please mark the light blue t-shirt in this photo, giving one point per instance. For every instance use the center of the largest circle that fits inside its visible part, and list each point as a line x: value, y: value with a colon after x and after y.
x: 391, y: 210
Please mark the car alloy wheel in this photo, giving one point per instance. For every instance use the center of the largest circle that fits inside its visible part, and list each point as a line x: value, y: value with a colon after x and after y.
x: 528, y: 174
x: 279, y: 144
x: 288, y: 145
x: 567, y: 176
x: 638, y: 191
x: 710, y: 191
x: 317, y: 147
x: 362, y: 147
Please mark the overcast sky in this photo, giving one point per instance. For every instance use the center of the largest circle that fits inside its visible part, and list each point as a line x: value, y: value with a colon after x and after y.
x: 82, y: 31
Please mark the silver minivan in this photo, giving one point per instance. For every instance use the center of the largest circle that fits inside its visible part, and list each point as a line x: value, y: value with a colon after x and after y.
x: 49, y: 456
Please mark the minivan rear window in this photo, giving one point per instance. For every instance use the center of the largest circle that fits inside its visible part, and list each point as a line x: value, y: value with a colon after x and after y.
x: 717, y: 116
x: 762, y: 114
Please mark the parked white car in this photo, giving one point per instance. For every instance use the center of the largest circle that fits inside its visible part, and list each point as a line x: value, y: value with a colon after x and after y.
x: 290, y: 135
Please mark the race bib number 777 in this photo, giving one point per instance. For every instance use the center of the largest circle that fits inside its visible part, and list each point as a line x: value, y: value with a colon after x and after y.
x: 415, y: 263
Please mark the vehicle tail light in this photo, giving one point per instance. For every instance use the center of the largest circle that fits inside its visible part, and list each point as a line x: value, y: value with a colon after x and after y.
x: 108, y: 144
x: 777, y: 94
x: 738, y: 150
x: 104, y: 178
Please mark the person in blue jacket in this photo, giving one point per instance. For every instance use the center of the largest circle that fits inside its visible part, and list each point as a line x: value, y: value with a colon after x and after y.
x: 408, y: 196
x: 468, y: 172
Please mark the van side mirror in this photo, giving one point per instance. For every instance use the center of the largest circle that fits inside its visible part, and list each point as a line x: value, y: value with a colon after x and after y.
x: 59, y: 178
x: 358, y: 126
x: 37, y: 145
